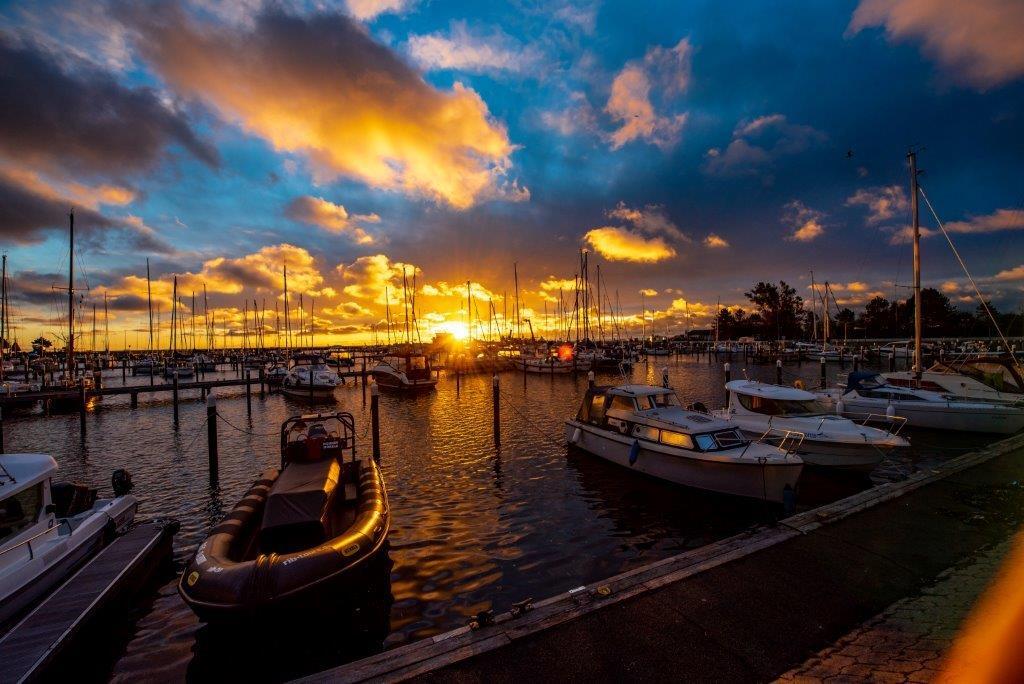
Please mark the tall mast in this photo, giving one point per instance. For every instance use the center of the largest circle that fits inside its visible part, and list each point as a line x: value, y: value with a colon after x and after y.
x: 387, y: 312
x: 193, y: 317
x: 405, y: 302
x: 469, y: 310
x: 287, y: 323
x: 917, y: 263
x: 206, y: 317
x: 149, y: 302
x: 519, y: 326
x: 93, y: 327
x: 3, y: 313
x: 814, y: 309
x: 71, y: 297
x: 106, y: 325
x: 312, y: 323
x: 174, y: 319
x: 600, y: 330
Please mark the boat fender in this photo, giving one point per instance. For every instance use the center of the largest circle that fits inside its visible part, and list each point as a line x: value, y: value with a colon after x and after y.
x: 634, y: 452
x: 890, y: 411
x: 576, y: 434
x: 798, y: 383
x: 840, y: 407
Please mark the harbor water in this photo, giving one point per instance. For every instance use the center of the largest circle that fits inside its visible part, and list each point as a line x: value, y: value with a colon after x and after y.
x: 473, y: 528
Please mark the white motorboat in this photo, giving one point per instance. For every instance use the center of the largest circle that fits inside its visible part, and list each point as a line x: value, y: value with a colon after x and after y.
x: 541, y: 360
x: 643, y: 427
x: 869, y: 393
x: 406, y: 372
x: 309, y: 377
x: 275, y: 373
x: 995, y: 379
x: 48, y: 529
x: 765, y: 411
x: 203, y: 363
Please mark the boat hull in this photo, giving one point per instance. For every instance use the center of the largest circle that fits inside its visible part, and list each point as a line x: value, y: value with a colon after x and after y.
x: 750, y: 479
x: 389, y: 381
x: 940, y: 416
x: 316, y: 392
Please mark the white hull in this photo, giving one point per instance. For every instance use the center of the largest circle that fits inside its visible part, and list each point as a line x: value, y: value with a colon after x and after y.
x: 305, y: 391
x: 958, y: 416
x: 550, y: 368
x: 723, y: 475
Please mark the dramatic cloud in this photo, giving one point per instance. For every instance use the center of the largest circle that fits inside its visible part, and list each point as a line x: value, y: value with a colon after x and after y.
x: 366, y: 10
x: 667, y: 72
x: 458, y: 291
x: 882, y: 203
x: 463, y: 50
x: 321, y: 86
x: 648, y: 292
x: 369, y: 276
x: 83, y: 122
x: 333, y: 217
x: 261, y: 271
x: 999, y: 220
x: 758, y: 142
x: 652, y: 219
x: 805, y: 223
x: 978, y: 42
x: 1013, y: 274
x: 623, y: 244
x: 714, y: 241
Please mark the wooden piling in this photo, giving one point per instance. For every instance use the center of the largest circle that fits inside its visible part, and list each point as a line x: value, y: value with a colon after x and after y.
x: 174, y: 396
x: 263, y: 380
x: 211, y: 437
x: 124, y: 370
x: 375, y: 419
x: 496, y: 401
x: 1, y: 430
x: 728, y: 372
x: 135, y: 400
x: 590, y: 379
x: 822, y: 365
x: 778, y: 371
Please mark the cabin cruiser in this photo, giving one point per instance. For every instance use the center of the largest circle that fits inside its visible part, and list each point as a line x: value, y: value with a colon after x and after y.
x: 405, y: 372
x: 179, y: 367
x: 147, y: 365
x: 309, y: 378
x: 275, y: 373
x: 11, y: 389
x: 761, y: 410
x: 542, y: 360
x: 869, y: 393
x: 644, y: 428
x: 995, y: 379
x: 203, y: 363
x: 300, y: 535
x: 48, y: 529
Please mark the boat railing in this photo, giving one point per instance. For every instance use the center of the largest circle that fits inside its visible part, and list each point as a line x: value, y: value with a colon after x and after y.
x: 28, y: 542
x: 895, y: 423
x: 794, y: 437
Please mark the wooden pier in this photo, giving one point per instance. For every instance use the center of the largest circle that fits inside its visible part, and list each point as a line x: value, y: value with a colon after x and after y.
x: 746, y: 608
x: 34, y: 645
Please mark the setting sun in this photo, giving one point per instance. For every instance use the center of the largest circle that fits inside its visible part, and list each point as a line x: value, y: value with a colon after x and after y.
x: 457, y: 329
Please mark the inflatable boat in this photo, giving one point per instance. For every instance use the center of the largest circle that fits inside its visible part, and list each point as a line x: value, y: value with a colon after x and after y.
x: 302, y: 533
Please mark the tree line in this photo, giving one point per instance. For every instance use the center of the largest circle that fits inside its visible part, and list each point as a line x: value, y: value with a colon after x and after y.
x: 776, y: 311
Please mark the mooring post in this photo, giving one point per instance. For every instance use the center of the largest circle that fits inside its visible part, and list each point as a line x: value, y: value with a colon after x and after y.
x: 590, y: 379
x: 892, y: 361
x: 174, y: 397
x: 496, y: 397
x: 458, y: 380
x: 135, y: 400
x: 211, y: 436
x: 124, y: 370
x: 375, y: 420
x: 81, y: 407
x: 728, y: 372
x: 248, y: 390
x: 822, y: 366
x: 856, y: 362
x: 263, y: 379
x: 362, y: 375
x: 1, y: 430
x: 97, y: 379
x: 152, y: 369
x: 778, y: 371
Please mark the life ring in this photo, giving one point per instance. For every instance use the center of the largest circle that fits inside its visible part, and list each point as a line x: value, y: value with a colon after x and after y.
x: 798, y: 383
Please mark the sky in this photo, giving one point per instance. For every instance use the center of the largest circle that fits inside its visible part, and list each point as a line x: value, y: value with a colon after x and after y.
x: 692, y: 148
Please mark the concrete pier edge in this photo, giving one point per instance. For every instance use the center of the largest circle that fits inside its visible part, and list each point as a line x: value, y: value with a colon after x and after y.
x: 442, y: 650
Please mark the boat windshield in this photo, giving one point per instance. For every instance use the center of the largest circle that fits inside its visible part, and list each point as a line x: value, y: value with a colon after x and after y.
x: 652, y: 401
x: 781, y: 407
x: 20, y: 510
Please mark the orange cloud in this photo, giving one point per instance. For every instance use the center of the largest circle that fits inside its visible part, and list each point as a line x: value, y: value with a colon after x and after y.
x: 882, y: 203
x: 368, y: 276
x: 623, y: 244
x: 1016, y: 273
x: 668, y: 71
x: 806, y: 223
x: 330, y: 216
x: 322, y: 87
x: 978, y: 42
x: 714, y: 241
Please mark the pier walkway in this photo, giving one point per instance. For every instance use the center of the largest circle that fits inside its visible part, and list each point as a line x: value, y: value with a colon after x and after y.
x: 755, y: 606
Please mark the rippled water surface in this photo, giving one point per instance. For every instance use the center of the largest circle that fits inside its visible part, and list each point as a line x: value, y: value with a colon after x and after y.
x: 473, y: 527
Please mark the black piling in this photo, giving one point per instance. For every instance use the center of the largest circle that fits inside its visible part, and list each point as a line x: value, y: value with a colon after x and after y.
x: 375, y: 419
x: 263, y: 379
x: 124, y: 370
x: 728, y: 372
x: 248, y: 391
x: 1, y: 430
x: 174, y: 396
x: 211, y: 437
x: 135, y: 400
x: 892, y: 361
x: 822, y: 365
x: 496, y: 400
x: 778, y: 371
x: 590, y: 379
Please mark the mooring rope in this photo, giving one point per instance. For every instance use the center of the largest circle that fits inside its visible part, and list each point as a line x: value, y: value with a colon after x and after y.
x: 244, y: 431
x: 529, y: 422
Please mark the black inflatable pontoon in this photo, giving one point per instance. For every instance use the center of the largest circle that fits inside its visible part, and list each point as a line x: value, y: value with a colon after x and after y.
x: 301, y: 531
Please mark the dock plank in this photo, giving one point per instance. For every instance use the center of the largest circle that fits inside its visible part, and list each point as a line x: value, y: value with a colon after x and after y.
x: 29, y: 646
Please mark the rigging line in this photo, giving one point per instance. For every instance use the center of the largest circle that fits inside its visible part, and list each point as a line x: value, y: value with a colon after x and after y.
x: 977, y: 291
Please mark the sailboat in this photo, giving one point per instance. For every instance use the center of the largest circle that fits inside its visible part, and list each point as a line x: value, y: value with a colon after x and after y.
x: 176, y: 366
x: 868, y: 393
x: 70, y: 379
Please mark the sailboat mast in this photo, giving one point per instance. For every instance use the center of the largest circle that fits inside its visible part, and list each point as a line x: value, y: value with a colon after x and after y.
x: 287, y: 323
x: 71, y: 296
x: 515, y: 275
x: 149, y: 302
x: 3, y: 313
x: 469, y: 310
x: 912, y: 156
x: 174, y: 319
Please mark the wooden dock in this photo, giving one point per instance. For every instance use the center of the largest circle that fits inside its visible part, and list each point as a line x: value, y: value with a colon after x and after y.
x: 745, y: 608
x: 37, y: 642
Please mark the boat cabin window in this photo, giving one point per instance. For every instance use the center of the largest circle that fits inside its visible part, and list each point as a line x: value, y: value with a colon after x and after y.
x: 597, y: 409
x: 705, y: 442
x: 417, y: 362
x: 676, y: 439
x: 645, y: 432
x: 19, y: 511
x: 651, y: 401
x: 780, y: 407
x: 724, y: 439
x: 622, y: 403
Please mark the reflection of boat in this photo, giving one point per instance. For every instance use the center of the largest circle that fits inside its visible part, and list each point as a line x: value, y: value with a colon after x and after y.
x: 409, y: 372
x: 309, y: 378
x: 48, y: 529
x: 644, y: 428
x: 763, y: 410
x: 868, y: 393
x: 300, y: 531
x: 994, y: 379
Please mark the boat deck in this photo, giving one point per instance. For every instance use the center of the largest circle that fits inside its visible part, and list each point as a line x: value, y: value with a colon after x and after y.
x: 35, y: 643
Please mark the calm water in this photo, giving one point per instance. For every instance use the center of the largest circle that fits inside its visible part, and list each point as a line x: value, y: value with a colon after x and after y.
x: 472, y: 528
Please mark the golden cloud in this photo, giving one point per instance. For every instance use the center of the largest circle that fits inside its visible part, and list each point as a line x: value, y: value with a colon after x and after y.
x: 805, y: 223
x: 667, y: 70
x: 623, y: 244
x: 714, y: 241
x: 369, y: 276
x: 333, y: 217
x: 322, y: 87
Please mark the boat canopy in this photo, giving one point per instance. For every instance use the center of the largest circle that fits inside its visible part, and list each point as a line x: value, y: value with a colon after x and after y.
x: 863, y: 380
x: 19, y: 471
x: 761, y: 389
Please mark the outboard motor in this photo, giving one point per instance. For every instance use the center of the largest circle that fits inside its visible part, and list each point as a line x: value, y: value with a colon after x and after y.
x: 121, y: 481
